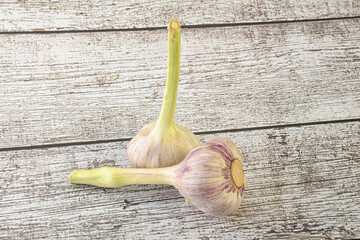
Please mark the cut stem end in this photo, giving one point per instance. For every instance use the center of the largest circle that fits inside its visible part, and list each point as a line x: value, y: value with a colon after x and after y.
x: 174, y: 24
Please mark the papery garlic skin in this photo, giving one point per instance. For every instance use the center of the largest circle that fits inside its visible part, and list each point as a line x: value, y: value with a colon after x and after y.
x: 211, y: 177
x: 152, y: 148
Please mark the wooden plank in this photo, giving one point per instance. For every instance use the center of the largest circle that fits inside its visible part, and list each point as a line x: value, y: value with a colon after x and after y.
x: 303, y: 183
x: 94, y: 15
x: 70, y: 87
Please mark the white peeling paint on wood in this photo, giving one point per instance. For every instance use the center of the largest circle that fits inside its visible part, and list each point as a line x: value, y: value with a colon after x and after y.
x: 43, y: 15
x: 78, y: 87
x: 303, y: 184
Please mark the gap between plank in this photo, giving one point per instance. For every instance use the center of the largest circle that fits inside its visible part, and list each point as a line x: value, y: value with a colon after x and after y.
x: 276, y: 126
x: 185, y: 26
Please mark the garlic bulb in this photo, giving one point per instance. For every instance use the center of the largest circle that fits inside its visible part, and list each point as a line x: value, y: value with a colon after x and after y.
x: 211, y: 177
x: 164, y: 143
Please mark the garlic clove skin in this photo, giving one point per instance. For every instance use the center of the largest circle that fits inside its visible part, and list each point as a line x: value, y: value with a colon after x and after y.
x: 211, y: 177
x: 153, y: 148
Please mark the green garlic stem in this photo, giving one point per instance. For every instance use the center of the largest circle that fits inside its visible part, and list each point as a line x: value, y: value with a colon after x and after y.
x: 111, y: 177
x: 166, y: 118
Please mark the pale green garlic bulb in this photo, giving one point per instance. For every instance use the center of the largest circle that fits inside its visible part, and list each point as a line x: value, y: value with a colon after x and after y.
x: 211, y: 177
x: 164, y: 143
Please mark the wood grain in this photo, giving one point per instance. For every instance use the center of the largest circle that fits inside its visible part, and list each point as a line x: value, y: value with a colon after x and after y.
x: 41, y: 15
x: 78, y: 87
x: 303, y: 182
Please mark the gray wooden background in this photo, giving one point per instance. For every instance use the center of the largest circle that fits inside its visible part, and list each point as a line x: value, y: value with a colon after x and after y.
x: 78, y: 79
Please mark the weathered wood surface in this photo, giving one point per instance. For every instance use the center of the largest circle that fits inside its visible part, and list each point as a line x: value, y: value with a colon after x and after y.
x: 303, y: 183
x: 78, y: 87
x: 43, y: 15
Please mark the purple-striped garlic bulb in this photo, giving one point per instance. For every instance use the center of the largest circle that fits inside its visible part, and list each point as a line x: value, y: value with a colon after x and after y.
x: 211, y: 177
x: 164, y: 143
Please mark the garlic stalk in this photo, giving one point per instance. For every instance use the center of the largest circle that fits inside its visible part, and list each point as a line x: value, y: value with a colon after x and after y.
x: 211, y: 177
x: 164, y: 143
